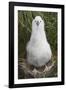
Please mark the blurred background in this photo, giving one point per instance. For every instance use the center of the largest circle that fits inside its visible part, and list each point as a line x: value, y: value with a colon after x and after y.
x: 24, y: 32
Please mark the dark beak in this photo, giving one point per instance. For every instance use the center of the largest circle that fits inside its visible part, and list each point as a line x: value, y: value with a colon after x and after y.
x: 37, y: 23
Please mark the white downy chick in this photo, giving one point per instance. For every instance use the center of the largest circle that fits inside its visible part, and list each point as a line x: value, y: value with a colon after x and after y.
x: 38, y: 48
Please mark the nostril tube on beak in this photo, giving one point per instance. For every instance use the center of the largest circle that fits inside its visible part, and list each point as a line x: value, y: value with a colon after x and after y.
x: 37, y: 23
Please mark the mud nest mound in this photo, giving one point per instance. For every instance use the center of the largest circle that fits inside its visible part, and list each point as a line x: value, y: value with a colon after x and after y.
x: 26, y: 71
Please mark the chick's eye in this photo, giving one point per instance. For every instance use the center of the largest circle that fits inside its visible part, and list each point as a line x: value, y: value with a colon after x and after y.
x: 40, y: 21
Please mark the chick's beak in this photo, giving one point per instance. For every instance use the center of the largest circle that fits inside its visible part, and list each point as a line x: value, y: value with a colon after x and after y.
x: 37, y: 23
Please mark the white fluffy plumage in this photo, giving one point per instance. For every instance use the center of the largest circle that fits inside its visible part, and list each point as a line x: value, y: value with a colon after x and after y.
x: 38, y: 48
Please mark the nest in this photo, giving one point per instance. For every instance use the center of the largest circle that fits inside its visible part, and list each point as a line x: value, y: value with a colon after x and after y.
x: 28, y: 71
